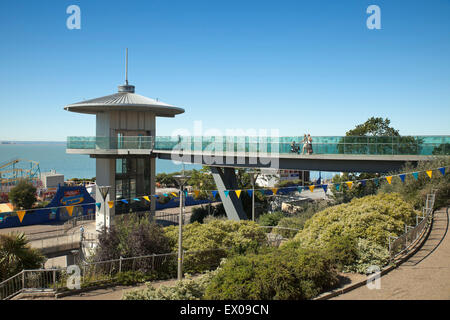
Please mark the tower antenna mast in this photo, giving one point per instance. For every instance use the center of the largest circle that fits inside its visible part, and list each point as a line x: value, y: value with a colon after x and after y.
x: 126, y: 67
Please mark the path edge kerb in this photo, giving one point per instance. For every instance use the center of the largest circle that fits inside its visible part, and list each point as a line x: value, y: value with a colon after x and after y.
x: 417, y: 244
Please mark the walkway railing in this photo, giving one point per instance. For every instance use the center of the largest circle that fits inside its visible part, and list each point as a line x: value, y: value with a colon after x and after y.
x: 401, y: 244
x: 40, y: 280
x: 381, y: 145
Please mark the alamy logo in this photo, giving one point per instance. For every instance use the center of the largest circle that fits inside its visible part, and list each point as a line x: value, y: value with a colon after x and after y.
x: 374, y: 20
x: 73, y: 282
x: 74, y: 20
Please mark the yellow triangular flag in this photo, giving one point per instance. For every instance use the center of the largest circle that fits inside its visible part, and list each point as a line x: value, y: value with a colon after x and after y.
x: 147, y: 198
x: 274, y: 190
x: 111, y: 204
x: 430, y: 173
x: 238, y: 193
x: 70, y: 210
x: 196, y: 193
x: 349, y: 184
x: 174, y: 194
x: 311, y: 188
x: 20, y: 214
x: 389, y: 179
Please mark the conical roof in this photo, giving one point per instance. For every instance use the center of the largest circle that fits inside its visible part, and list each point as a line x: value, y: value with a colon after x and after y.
x: 125, y: 100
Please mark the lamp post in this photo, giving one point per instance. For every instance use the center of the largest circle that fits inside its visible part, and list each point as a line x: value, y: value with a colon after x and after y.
x: 253, y: 175
x: 181, y: 180
x: 104, y: 190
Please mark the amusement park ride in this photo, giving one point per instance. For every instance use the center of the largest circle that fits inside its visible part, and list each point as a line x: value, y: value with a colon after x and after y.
x: 13, y: 170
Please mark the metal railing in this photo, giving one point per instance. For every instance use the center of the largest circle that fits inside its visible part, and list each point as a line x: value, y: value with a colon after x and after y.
x: 40, y: 280
x: 401, y: 244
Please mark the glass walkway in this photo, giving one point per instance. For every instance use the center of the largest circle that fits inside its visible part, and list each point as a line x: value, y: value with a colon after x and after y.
x: 403, y: 145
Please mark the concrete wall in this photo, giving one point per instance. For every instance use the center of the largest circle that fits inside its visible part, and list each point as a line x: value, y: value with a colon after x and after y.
x: 109, y: 122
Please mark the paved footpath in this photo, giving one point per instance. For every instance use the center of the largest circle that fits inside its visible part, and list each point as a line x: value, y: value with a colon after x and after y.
x: 426, y: 275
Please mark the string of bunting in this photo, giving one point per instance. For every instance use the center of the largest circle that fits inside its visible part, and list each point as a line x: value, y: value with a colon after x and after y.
x: 263, y: 191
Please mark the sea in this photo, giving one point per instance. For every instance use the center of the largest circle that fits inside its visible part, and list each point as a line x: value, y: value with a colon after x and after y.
x: 53, y: 156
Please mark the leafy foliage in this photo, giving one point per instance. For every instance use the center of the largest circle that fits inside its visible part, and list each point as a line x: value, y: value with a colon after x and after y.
x: 17, y: 255
x: 131, y: 235
x: 187, y: 289
x: 373, y: 218
x: 280, y: 274
x: 23, y: 195
x: 271, y: 218
x: 207, y: 238
x: 358, y: 190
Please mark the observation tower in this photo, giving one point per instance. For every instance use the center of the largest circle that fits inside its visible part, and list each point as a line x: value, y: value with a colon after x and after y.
x: 122, y: 147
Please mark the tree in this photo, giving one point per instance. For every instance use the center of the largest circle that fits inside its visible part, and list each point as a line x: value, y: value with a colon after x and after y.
x: 373, y: 127
x: 23, y: 195
x: 16, y: 255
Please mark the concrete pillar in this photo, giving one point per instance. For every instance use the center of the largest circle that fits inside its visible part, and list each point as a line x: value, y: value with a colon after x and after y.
x: 106, y: 174
x: 225, y: 179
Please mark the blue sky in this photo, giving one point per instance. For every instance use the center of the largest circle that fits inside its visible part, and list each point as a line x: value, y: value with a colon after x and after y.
x: 296, y: 66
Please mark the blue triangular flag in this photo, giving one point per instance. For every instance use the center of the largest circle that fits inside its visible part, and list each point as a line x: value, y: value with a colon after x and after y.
x: 325, y: 187
x: 363, y: 183
x: 124, y: 201
x: 55, y: 210
x: 226, y: 192
x: 300, y: 189
x: 250, y: 192
x: 337, y: 186
x: 442, y: 170
x: 376, y: 181
x: 214, y: 193
x: 415, y: 175
x: 98, y: 204
x: 402, y: 176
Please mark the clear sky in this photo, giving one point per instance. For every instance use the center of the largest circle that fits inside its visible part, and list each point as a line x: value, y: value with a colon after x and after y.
x: 296, y: 66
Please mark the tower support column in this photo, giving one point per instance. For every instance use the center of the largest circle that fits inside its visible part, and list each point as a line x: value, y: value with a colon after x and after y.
x: 106, y: 174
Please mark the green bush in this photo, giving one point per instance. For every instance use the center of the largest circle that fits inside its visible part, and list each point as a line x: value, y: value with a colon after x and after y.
x: 372, y: 218
x: 415, y: 191
x: 187, y: 289
x: 281, y: 274
x: 23, y: 195
x: 271, y: 219
x: 207, y: 238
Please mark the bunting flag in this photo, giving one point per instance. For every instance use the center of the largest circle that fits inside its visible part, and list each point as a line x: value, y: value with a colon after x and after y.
x: 274, y: 190
x: 137, y: 199
x: 124, y: 201
x: 325, y: 187
x: 174, y: 194
x: 1, y: 219
x: 363, y: 183
x: 250, y: 192
x: 376, y: 181
x: 111, y: 204
x: 238, y: 193
x: 429, y: 173
x: 402, y: 177
x: 147, y: 198
x: 261, y: 192
x: 415, y: 175
x: 337, y: 186
x: 226, y: 193
x: 156, y: 196
x: 389, y: 179
x: 165, y: 195
x: 69, y: 210
x: 21, y: 214
x: 99, y: 205
x: 214, y: 192
x: 349, y: 184
x: 442, y: 170
x: 196, y: 193
x: 300, y: 189
x: 311, y: 188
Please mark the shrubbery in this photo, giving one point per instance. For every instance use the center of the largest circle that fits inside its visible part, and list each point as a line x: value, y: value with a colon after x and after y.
x: 372, y: 219
x: 289, y: 273
x: 271, y: 219
x: 240, y: 236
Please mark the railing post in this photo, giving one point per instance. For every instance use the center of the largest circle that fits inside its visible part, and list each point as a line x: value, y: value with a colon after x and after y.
x: 120, y: 264
x: 23, y: 279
